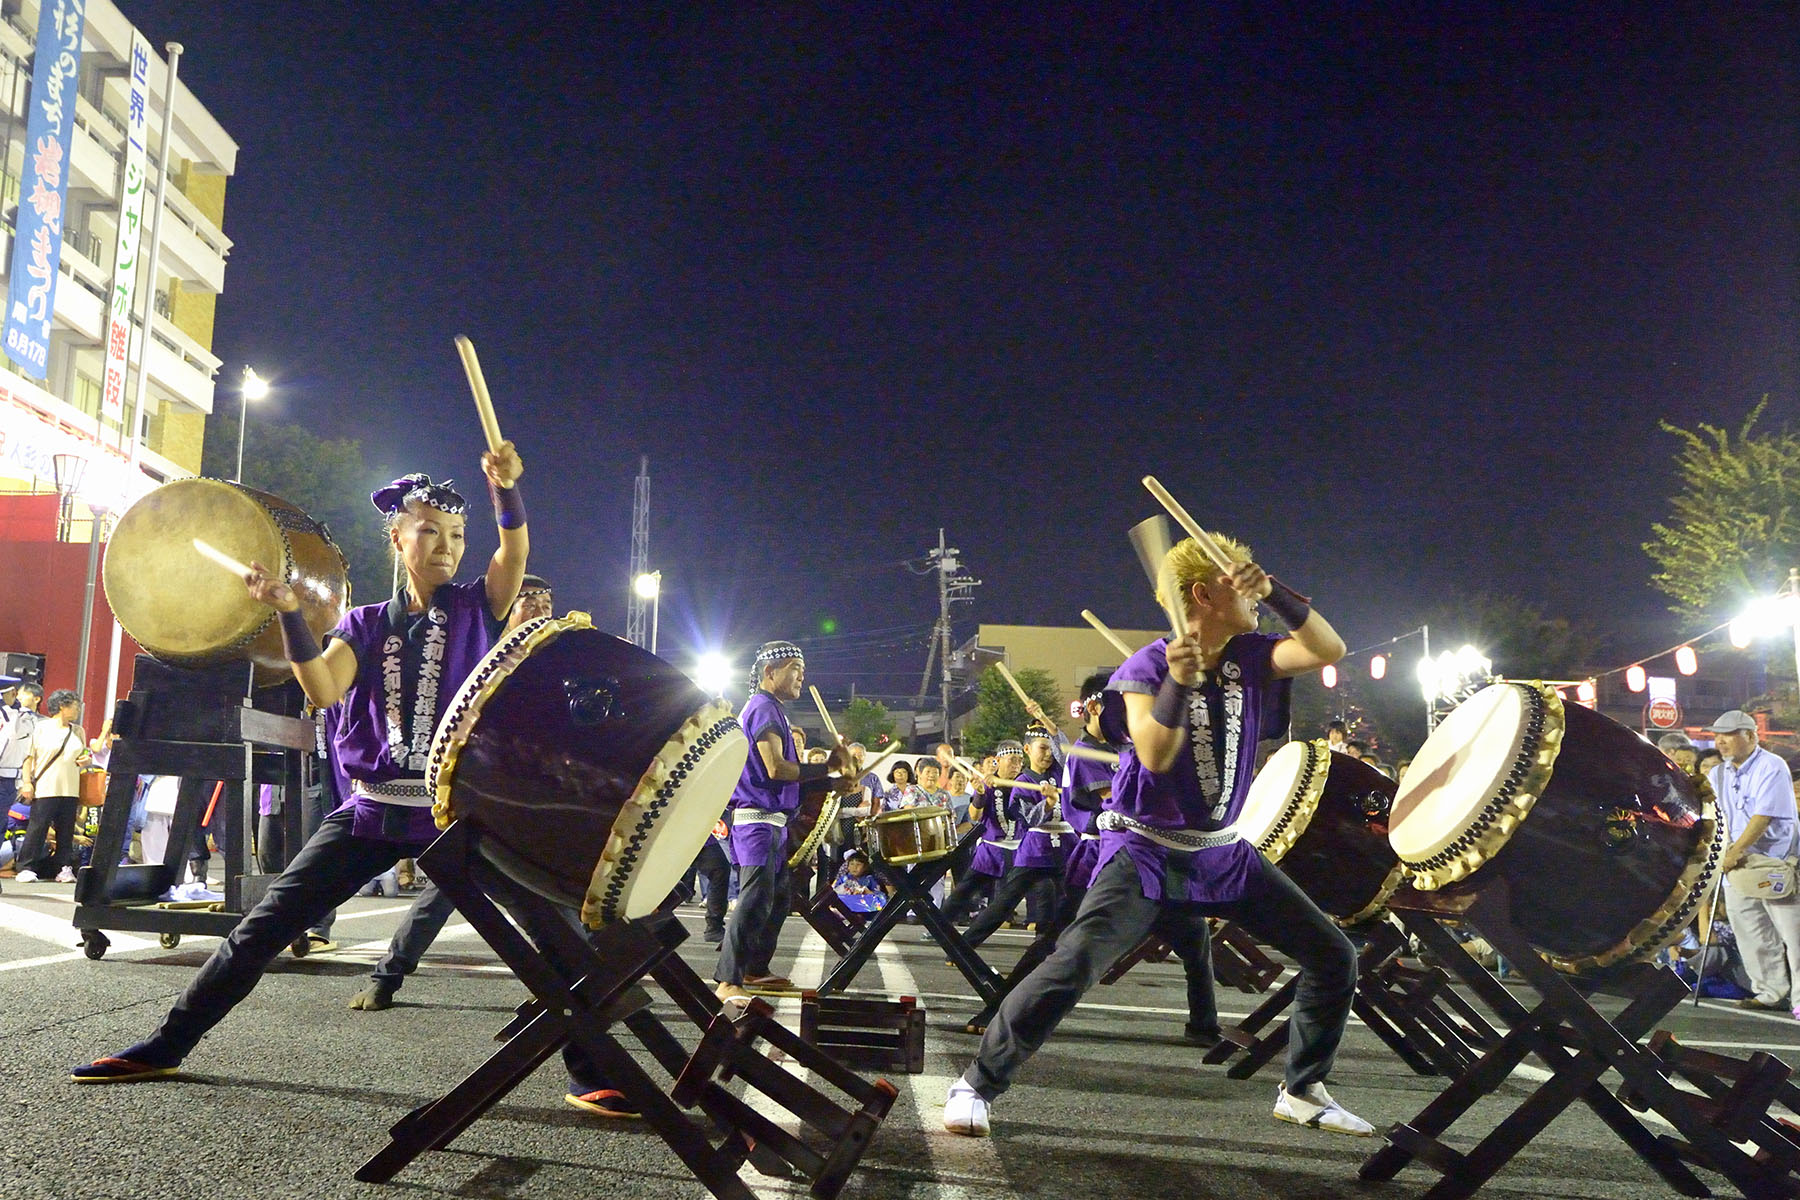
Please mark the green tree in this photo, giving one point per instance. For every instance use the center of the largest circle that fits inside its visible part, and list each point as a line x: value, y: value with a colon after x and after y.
x: 866, y: 721
x: 1733, y: 529
x: 998, y: 712
x: 328, y: 477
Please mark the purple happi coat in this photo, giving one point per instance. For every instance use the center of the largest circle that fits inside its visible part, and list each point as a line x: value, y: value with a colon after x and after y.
x: 1037, y: 848
x: 1241, y: 702
x: 1083, y: 780
x: 377, y: 741
x: 999, y: 823
x: 760, y: 844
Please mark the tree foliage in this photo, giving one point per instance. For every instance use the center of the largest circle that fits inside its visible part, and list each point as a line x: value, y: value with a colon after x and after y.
x: 866, y: 721
x: 1733, y: 529
x: 328, y: 477
x: 998, y: 712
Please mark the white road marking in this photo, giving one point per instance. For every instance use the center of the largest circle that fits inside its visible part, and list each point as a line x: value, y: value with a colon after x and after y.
x: 972, y: 1163
x: 56, y: 930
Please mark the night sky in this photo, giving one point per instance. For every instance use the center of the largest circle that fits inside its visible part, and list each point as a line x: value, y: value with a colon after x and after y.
x: 1396, y: 292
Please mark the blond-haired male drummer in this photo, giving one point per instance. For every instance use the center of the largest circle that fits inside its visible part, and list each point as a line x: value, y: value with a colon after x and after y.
x: 1194, y: 709
x: 767, y: 795
x: 392, y: 665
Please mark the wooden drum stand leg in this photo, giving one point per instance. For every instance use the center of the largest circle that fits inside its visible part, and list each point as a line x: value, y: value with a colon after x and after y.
x: 1576, y: 1043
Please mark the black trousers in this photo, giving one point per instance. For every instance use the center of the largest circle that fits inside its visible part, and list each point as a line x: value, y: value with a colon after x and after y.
x: 962, y: 897
x: 1012, y: 888
x: 1115, y: 916
x: 49, y: 812
x: 715, y: 868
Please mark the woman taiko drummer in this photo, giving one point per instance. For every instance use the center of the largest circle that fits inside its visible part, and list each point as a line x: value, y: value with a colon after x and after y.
x: 391, y: 666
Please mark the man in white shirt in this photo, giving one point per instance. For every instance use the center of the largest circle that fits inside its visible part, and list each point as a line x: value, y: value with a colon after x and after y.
x: 1756, y: 803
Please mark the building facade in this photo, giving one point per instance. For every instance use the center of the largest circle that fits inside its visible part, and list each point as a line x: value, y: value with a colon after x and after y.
x: 63, y: 413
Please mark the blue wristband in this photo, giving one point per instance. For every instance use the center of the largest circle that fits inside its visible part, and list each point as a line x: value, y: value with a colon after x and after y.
x: 509, y: 506
x: 1287, y: 604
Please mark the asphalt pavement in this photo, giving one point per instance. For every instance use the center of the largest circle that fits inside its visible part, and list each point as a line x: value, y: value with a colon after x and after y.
x: 295, y: 1090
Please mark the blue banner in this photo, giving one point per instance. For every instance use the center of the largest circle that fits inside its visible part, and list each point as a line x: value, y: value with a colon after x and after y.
x: 44, y: 185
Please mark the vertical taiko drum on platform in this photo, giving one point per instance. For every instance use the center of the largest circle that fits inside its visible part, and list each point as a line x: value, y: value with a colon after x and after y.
x: 1323, y: 817
x: 184, y: 610
x: 1606, y: 846
x: 593, y: 769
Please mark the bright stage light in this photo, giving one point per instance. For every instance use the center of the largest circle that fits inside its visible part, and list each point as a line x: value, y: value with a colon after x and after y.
x: 713, y: 674
x: 648, y: 585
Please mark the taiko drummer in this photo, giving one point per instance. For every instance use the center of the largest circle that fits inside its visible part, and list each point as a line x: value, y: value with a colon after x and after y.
x: 392, y: 666
x: 1195, y: 709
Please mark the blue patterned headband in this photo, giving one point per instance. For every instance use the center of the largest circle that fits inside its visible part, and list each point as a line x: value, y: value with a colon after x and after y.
x: 769, y: 653
x: 418, y: 486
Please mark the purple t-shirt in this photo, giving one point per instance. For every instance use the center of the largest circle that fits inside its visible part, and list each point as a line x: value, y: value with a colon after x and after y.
x: 1239, y: 704
x: 758, y: 844
x: 376, y: 742
x: 1036, y: 848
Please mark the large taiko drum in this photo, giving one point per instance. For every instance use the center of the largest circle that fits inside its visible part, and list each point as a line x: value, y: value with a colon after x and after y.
x: 812, y: 823
x: 1324, y: 818
x: 184, y: 610
x: 1606, y: 846
x: 593, y: 769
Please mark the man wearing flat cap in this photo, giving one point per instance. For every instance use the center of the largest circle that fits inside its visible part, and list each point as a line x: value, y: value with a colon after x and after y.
x: 1756, y: 803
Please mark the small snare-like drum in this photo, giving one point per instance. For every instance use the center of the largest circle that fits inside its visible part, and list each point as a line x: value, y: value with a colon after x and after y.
x: 183, y: 610
x: 811, y: 824
x: 593, y: 769
x: 1606, y: 846
x: 1323, y: 817
x: 909, y: 835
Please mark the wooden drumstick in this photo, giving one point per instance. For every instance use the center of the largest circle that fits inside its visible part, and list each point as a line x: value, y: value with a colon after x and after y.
x: 214, y: 554
x: 1150, y: 538
x: 1211, y: 548
x: 1093, y: 755
x: 484, y: 403
x: 1118, y: 643
x: 825, y: 716
x: 1023, y: 695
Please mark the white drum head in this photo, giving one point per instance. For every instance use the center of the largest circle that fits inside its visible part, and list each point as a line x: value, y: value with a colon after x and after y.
x: 666, y: 824
x: 1462, y: 766
x: 1282, y: 797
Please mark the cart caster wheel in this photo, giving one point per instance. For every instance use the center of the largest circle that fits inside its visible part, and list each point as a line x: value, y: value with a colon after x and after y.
x: 94, y: 944
x: 169, y: 941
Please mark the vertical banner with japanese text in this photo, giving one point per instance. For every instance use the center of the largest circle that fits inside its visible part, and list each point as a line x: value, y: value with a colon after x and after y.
x: 44, y: 185
x: 132, y: 187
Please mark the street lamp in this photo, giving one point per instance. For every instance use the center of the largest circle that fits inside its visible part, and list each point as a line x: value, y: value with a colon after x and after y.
x: 649, y: 587
x: 66, y: 470
x: 253, y: 387
x: 1770, y: 615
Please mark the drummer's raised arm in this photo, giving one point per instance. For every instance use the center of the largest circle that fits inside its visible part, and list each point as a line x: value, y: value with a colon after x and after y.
x: 1313, y: 643
x: 324, y: 675
x: 506, y: 571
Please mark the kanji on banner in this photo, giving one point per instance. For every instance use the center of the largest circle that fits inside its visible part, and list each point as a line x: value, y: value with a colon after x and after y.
x: 133, y: 186
x: 44, y: 185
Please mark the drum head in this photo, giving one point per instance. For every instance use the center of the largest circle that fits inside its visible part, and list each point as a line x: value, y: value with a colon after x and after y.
x: 1282, y: 797
x: 1491, y: 750
x: 176, y: 604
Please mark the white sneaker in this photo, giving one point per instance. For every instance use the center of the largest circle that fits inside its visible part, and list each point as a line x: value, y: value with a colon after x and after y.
x: 1314, y: 1107
x: 26, y: 877
x: 65, y: 876
x: 965, y: 1112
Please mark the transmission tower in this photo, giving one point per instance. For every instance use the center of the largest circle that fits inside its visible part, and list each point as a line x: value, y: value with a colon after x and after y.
x: 953, y: 586
x: 635, y: 624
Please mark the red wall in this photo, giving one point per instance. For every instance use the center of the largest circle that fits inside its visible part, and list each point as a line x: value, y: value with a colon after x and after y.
x: 42, y: 589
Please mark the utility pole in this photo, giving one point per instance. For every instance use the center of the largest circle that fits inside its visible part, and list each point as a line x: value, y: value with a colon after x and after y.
x: 953, y: 586
x: 635, y: 631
